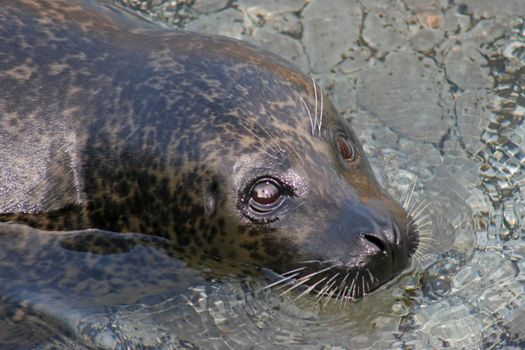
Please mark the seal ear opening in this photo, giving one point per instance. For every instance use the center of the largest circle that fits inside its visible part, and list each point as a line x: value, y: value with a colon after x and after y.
x: 210, y: 193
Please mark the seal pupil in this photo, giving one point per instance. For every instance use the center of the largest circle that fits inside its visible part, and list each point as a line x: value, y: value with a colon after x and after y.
x: 345, y: 149
x: 265, y: 193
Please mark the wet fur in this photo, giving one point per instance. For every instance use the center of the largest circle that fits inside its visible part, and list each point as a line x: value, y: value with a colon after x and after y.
x: 134, y: 128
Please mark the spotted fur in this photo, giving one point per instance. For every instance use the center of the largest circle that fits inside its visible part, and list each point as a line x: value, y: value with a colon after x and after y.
x: 110, y: 122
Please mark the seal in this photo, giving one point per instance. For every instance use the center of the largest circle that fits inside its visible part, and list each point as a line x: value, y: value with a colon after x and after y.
x: 226, y: 151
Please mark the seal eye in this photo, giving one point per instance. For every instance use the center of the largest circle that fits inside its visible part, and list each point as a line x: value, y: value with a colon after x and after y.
x: 265, y: 196
x: 346, y: 149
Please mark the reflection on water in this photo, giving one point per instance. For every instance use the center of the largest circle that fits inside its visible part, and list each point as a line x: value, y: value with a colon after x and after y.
x: 435, y: 92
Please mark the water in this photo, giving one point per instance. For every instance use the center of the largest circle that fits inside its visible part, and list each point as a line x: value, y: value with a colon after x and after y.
x: 435, y: 90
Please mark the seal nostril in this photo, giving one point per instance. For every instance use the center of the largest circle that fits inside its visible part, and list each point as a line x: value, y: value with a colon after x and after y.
x: 375, y: 241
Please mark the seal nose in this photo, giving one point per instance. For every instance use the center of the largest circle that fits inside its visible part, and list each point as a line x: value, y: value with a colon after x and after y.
x: 376, y: 242
x: 366, y: 245
x: 361, y: 235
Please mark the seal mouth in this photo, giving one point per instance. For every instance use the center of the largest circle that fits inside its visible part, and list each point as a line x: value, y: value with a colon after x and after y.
x: 335, y: 282
x: 387, y: 256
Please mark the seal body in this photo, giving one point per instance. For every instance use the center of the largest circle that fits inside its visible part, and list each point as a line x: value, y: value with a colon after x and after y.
x: 227, y: 151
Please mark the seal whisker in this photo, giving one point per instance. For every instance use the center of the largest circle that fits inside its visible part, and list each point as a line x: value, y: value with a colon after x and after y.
x: 264, y: 142
x: 315, y: 106
x: 421, y: 225
x: 419, y: 208
x: 324, y: 291
x: 296, y: 285
x: 342, y: 284
x: 427, y: 243
x: 346, y: 297
x: 294, y: 270
x: 425, y: 246
x: 273, y: 284
x: 321, y: 110
x: 342, y: 298
x: 372, y: 278
x: 425, y: 219
x: 353, y: 286
x: 425, y: 239
x: 419, y: 211
x: 257, y: 137
x: 417, y: 258
x: 272, y: 139
x: 327, y: 285
x: 306, y: 278
x: 320, y: 271
x: 310, y: 288
x: 329, y: 296
x: 319, y: 261
x: 408, y: 196
x: 321, y: 291
x: 426, y: 233
x: 307, y: 111
x: 351, y: 289
x: 419, y: 254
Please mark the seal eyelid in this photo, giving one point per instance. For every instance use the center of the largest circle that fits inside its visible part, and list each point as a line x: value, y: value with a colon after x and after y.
x: 346, y: 149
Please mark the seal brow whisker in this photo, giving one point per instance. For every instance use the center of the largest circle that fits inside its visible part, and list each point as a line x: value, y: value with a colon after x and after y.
x: 315, y: 106
x: 307, y: 111
x: 272, y: 139
x: 321, y: 111
x: 257, y: 137
x: 262, y: 141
